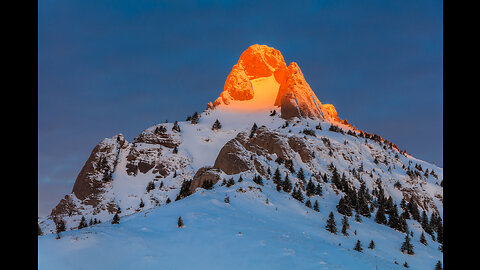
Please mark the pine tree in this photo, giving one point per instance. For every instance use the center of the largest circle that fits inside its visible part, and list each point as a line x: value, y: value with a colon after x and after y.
x: 393, y: 221
x: 357, y: 217
x: 331, y: 224
x: 343, y: 207
x: 380, y: 216
x: 141, y: 203
x: 180, y: 222
x: 426, y: 224
x: 277, y: 178
x: 297, y: 194
x: 406, y: 265
x: 438, y: 266
x: 207, y: 184
x: 116, y: 219
x: 231, y: 182
x: 258, y: 180
x: 318, y: 190
x: 60, y: 226
x: 227, y: 199
x: 407, y: 247
x: 83, y: 223
x: 315, y: 206
x: 168, y: 201
x: 422, y: 239
x: 301, y: 174
x: 358, y: 246
x: 413, y: 209
x: 287, y: 185
x: 216, y: 125
x: 91, y: 222
x: 345, y: 225
x: 194, y: 118
x: 176, y: 127
x: 310, y: 189
x: 240, y: 179
x: 371, y: 245
x: 308, y: 204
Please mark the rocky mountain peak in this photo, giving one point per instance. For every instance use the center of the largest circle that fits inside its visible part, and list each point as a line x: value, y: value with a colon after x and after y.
x: 261, y: 81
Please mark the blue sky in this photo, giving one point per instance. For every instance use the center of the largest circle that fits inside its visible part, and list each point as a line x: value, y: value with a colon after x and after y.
x: 109, y: 67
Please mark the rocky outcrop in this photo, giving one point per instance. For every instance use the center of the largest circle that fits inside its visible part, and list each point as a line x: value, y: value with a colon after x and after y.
x: 157, y: 135
x: 98, y: 169
x: 289, y: 108
x: 293, y: 95
x: 202, y: 175
x: 298, y: 145
x: 66, y: 206
x: 142, y: 160
x: 263, y: 61
x: 295, y: 91
x: 256, y: 62
x: 238, y: 85
x: 232, y: 158
x: 330, y: 112
x: 236, y: 156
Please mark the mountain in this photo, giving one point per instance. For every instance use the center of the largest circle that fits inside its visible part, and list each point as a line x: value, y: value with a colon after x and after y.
x: 270, y: 146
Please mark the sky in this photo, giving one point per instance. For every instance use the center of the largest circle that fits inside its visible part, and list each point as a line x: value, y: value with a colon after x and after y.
x: 109, y: 67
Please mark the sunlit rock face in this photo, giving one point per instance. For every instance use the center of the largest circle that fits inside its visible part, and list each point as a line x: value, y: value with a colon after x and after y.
x: 261, y: 81
x: 330, y: 112
x: 255, y: 78
x: 296, y: 88
x: 263, y: 61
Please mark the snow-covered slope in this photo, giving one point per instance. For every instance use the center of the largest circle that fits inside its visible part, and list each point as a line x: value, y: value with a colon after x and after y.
x: 247, y: 233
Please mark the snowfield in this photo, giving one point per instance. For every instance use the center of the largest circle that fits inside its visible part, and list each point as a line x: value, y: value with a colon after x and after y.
x: 247, y: 233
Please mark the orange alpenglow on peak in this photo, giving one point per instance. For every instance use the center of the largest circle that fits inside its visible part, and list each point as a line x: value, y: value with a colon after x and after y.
x: 262, y: 81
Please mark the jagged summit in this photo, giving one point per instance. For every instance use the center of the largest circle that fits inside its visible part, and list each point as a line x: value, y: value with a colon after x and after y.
x: 262, y: 81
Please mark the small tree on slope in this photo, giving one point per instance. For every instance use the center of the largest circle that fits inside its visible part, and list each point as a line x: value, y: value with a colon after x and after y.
x: 358, y: 246
x: 83, y: 223
x: 407, y: 247
x: 116, y: 219
x: 180, y: 222
x: 331, y: 224
x: 345, y: 225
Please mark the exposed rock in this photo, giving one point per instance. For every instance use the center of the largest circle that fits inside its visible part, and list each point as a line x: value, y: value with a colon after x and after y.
x: 66, y: 206
x: 142, y: 160
x: 330, y: 112
x: 289, y: 108
x: 256, y: 62
x: 268, y: 142
x: 155, y: 137
x: 298, y: 145
x: 294, y: 87
x: 210, y: 106
x: 232, y: 158
x: 263, y: 61
x: 238, y: 85
x: 102, y: 162
x: 202, y: 175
